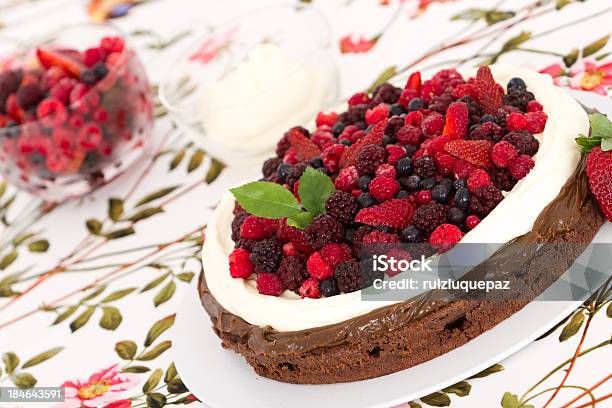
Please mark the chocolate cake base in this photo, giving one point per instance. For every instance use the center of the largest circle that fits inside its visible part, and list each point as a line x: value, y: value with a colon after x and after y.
x: 400, y: 336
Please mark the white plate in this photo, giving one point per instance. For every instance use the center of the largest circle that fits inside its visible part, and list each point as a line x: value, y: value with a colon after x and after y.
x: 221, y: 378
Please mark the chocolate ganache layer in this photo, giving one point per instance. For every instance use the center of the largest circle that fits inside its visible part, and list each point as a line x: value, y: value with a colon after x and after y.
x: 404, y: 334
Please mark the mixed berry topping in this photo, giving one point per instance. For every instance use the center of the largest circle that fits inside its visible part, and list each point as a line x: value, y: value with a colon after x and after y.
x: 423, y: 164
x: 66, y: 112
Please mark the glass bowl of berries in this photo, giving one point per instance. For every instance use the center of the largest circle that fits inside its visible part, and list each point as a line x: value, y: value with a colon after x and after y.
x: 235, y: 90
x: 75, y: 111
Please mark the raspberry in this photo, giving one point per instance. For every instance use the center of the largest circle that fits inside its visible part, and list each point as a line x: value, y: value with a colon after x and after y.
x: 328, y: 119
x: 432, y: 125
x: 534, y: 106
x: 536, y: 121
x: 240, y: 265
x: 333, y: 254
x: 380, y: 237
x: 341, y: 205
x: 92, y: 56
x: 377, y: 114
x: 424, y: 167
x: 359, y: 99
x: 283, y: 144
x: 396, y: 152
x: 292, y: 272
x: 324, y: 230
x: 524, y: 142
x: 322, y: 137
x: 386, y: 170
x: 90, y: 136
x: 236, y: 224
x: 444, y: 237
x: 318, y: 268
x: 521, y: 166
x: 310, y: 289
x: 331, y: 156
x: 112, y: 44
x: 414, y: 118
x: 347, y: 179
x: 51, y: 111
x: 266, y: 255
x: 502, y: 113
x: 502, y: 179
x: 369, y: 158
x: 478, y: 178
x: 484, y: 200
x: 258, y: 228
x: 465, y: 90
x: 429, y: 216
x: 472, y: 221
x: 409, y: 135
x: 423, y: 197
x: 383, y: 188
x: 348, y: 275
x: 269, y: 284
x: 396, y: 213
x: 503, y: 153
x: 29, y: 95
x: 487, y: 131
x: 516, y: 122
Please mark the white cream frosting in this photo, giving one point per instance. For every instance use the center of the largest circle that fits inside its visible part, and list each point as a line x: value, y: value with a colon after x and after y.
x: 555, y: 162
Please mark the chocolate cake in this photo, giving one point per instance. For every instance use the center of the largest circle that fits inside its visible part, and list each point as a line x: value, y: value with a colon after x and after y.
x: 438, y: 163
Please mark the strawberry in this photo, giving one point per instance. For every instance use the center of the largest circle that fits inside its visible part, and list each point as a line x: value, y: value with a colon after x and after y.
x: 414, y: 82
x: 599, y: 171
x: 305, y: 148
x: 69, y: 63
x: 375, y: 136
x: 395, y: 213
x: 476, y: 152
x: 457, y: 118
x: 490, y: 93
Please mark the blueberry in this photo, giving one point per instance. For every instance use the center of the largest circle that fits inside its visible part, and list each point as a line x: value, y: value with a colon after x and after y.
x: 100, y: 70
x: 36, y: 158
x: 88, y: 77
x: 410, y: 150
x: 427, y: 184
x: 397, y: 109
x: 411, y: 183
x: 365, y: 200
x: 338, y: 128
x: 474, y: 127
x: 462, y: 198
x: 440, y: 193
x: 404, y: 166
x: 448, y: 183
x: 11, y: 131
x: 363, y: 182
x: 411, y: 234
x: 317, y: 162
x: 345, y: 142
x: 349, y: 233
x: 329, y: 287
x: 456, y: 216
x: 386, y: 140
x: 460, y: 183
x: 416, y: 104
x: 517, y: 83
x: 382, y: 228
x: 487, y: 118
x: 282, y: 171
x: 402, y: 194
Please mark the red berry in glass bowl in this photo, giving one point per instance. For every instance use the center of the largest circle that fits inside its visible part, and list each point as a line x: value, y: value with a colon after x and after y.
x: 73, y: 118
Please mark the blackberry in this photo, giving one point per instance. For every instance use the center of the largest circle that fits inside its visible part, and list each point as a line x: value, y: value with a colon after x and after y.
x: 342, y: 206
x: 410, y: 183
x: 29, y: 95
x: 363, y: 182
x: 429, y: 216
x: 329, y: 287
x: 348, y: 276
x: 386, y: 93
x: 266, y: 255
x: 424, y: 167
x: 393, y: 126
x: 462, y: 198
x: 427, y: 184
x: 484, y: 200
x: 473, y: 106
x: 448, y: 183
x: 357, y: 238
x: 456, y: 216
x: 397, y: 109
x: 490, y: 131
x: 356, y: 114
x: 369, y: 158
x: 236, y: 224
x: 502, y: 179
x: 441, y: 103
x: 324, y: 230
x: 404, y: 166
x: 338, y: 128
x: 270, y: 166
x: 294, y: 174
x: 402, y: 194
x: 518, y: 98
x: 292, y: 272
x: 283, y: 144
x: 416, y: 104
x: 365, y: 200
x: 441, y: 193
x: 411, y: 234
x: 524, y: 142
x: 246, y: 243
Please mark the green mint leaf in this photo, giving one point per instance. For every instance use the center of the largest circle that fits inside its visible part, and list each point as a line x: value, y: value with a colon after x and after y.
x: 587, y: 143
x: 267, y: 200
x: 314, y: 190
x: 300, y: 220
x: 601, y: 127
x: 606, y: 144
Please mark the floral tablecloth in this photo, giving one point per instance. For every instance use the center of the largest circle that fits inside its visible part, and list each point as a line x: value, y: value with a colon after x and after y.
x: 89, y: 289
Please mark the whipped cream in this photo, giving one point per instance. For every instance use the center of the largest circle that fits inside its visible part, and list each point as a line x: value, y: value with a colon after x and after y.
x: 250, y: 107
x: 556, y: 160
